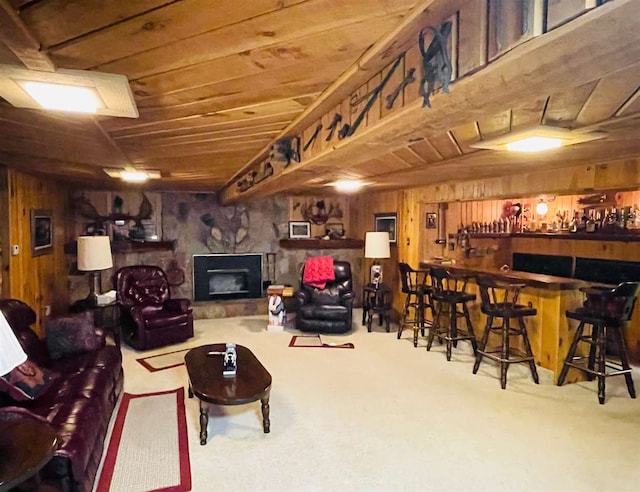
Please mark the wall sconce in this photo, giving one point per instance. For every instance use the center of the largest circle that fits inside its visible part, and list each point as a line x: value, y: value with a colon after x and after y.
x: 542, y: 208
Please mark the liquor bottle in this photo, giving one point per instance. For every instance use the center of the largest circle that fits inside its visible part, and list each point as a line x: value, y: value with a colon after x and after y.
x: 591, y: 223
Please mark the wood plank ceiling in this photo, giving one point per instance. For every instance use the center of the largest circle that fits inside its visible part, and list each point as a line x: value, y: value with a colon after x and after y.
x: 216, y: 81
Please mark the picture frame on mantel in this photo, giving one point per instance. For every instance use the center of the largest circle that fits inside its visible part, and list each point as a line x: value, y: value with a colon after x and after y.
x: 299, y: 230
x: 41, y: 232
x: 387, y: 222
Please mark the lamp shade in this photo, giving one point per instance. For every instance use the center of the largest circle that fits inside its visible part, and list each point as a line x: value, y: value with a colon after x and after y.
x: 94, y: 253
x: 11, y: 353
x: 376, y: 245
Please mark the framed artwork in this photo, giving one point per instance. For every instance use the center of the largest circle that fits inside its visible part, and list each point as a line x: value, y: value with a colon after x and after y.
x: 299, y: 230
x: 432, y: 217
x: 387, y: 222
x: 335, y: 229
x: 41, y: 232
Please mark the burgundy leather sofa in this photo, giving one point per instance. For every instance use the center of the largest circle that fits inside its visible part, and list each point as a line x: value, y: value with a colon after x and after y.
x: 150, y: 317
x: 78, y: 404
x: 327, y: 310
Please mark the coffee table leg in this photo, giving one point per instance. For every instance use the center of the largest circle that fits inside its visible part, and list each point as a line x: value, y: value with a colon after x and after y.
x: 266, y: 424
x: 204, y: 421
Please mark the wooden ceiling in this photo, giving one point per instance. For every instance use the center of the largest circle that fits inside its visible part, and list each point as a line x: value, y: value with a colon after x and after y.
x: 216, y: 82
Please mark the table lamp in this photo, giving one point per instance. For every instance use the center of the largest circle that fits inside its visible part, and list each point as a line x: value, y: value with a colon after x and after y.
x: 376, y: 245
x: 94, y: 255
x: 11, y: 353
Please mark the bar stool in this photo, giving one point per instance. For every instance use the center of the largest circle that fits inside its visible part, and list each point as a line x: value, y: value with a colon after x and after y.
x: 500, y: 300
x: 449, y: 297
x: 417, y: 292
x: 606, y: 310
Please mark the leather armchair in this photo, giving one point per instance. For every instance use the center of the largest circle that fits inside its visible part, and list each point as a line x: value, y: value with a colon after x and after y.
x: 327, y: 310
x: 150, y: 318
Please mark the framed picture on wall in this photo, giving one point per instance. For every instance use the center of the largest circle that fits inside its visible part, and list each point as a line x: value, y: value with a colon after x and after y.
x: 41, y: 232
x: 431, y: 220
x: 387, y: 222
x: 299, y: 230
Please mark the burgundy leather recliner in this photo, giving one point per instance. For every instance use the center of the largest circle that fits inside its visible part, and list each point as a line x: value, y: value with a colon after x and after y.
x: 150, y: 318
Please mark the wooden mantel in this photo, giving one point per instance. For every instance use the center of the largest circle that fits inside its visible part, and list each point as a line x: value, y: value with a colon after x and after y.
x: 321, y: 243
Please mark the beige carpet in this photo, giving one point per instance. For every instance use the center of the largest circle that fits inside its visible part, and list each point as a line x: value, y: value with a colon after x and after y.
x: 388, y: 416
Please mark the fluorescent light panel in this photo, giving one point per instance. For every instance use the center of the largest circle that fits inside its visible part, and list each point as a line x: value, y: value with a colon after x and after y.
x: 111, y: 91
x: 348, y: 185
x: 63, y: 97
x: 133, y: 175
x: 538, y: 139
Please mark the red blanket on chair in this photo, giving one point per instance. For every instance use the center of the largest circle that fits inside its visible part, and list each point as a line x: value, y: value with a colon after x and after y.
x: 317, y: 271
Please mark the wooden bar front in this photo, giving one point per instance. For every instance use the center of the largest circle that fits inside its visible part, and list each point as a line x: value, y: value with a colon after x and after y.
x: 550, y: 332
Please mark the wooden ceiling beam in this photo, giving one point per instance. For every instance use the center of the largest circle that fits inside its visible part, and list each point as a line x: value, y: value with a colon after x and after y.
x: 513, y: 77
x: 15, y: 34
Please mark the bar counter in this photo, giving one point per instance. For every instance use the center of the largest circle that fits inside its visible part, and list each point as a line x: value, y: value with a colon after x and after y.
x: 550, y: 332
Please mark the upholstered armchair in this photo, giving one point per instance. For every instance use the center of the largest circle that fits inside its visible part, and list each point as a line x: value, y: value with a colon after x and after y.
x: 150, y: 318
x: 327, y: 309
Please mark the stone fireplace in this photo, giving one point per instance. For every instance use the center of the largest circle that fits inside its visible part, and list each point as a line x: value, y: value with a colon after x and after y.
x: 218, y: 277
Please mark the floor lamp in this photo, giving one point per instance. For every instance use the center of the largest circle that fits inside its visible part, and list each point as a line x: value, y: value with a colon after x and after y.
x: 94, y: 255
x: 376, y: 246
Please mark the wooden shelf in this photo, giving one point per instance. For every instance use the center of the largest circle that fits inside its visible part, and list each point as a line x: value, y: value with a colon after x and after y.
x: 622, y: 236
x: 321, y: 243
x: 128, y: 246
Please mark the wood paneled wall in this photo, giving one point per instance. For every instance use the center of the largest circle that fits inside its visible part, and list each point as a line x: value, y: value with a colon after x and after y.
x: 41, y: 280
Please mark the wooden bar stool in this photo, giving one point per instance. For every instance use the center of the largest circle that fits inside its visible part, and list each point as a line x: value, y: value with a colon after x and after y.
x: 500, y: 300
x: 417, y: 292
x: 608, y: 311
x: 450, y: 298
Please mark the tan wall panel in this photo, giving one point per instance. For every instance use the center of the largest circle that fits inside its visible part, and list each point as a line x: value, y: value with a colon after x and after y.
x: 42, y: 280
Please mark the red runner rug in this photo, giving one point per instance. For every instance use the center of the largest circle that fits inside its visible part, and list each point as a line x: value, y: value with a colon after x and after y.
x: 149, y: 447
x: 164, y: 361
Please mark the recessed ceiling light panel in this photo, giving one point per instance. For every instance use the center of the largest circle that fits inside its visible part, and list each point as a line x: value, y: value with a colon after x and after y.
x: 537, y: 139
x: 133, y: 175
x: 111, y: 91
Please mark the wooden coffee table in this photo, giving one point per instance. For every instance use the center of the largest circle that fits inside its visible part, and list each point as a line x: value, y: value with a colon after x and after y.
x: 252, y: 382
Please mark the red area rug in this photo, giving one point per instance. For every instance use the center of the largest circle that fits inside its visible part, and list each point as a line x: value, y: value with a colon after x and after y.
x: 316, y: 341
x: 149, y: 448
x: 164, y: 361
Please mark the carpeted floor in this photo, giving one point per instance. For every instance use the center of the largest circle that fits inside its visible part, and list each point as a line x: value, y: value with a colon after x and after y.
x: 388, y: 416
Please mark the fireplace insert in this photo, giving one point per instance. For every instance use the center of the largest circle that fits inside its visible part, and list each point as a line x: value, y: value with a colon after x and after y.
x: 227, y: 276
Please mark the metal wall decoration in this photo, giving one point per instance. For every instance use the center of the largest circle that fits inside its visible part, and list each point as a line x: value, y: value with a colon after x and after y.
x: 228, y: 229
x: 409, y: 78
x: 436, y: 61
x: 318, y: 212
x: 372, y: 96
